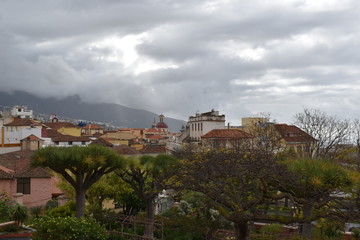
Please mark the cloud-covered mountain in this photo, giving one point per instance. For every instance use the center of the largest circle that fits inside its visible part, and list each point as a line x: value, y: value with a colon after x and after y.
x: 73, y: 107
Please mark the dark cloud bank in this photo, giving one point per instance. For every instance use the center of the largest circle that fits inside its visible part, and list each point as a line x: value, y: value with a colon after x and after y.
x: 179, y: 57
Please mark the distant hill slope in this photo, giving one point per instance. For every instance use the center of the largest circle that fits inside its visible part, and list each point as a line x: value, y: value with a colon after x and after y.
x: 72, y: 107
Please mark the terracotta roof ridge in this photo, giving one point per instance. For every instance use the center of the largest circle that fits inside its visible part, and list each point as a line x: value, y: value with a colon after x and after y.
x: 31, y: 137
x: 7, y: 170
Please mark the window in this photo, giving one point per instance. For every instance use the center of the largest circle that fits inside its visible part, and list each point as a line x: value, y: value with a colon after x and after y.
x: 70, y: 143
x: 83, y: 143
x: 23, y: 185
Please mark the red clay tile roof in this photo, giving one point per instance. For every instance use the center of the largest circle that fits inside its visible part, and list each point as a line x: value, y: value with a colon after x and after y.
x: 97, y: 134
x: 22, y: 122
x: 153, y: 130
x: 91, y: 126
x: 136, y: 141
x: 110, y: 131
x: 68, y: 138
x: 32, y: 137
x: 110, y: 139
x: 102, y: 142
x: 151, y: 149
x: 51, y: 133
x: 126, y: 150
x: 155, y: 137
x: 58, y: 125
x: 291, y: 133
x: 227, y: 133
x: 19, y: 162
x: 5, y: 172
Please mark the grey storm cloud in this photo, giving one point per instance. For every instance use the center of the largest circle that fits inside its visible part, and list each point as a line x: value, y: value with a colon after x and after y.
x: 179, y: 57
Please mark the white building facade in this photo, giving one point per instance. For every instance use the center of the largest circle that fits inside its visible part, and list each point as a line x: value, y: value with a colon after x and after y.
x: 21, y: 112
x: 202, y: 123
x: 197, y: 126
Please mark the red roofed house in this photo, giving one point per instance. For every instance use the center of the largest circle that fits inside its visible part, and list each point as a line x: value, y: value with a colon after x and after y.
x: 125, y: 150
x: 68, y: 141
x: 153, y: 150
x: 66, y: 128
x: 118, y: 138
x: 225, y: 138
x: 295, y: 138
x: 32, y: 143
x: 138, y: 132
x: 29, y: 186
x: 102, y: 142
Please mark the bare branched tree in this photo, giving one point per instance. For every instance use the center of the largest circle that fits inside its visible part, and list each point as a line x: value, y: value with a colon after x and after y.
x: 356, y: 139
x: 330, y: 132
x: 266, y: 137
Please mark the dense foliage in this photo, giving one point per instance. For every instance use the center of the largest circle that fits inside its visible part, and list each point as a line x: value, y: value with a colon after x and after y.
x: 5, y: 208
x: 68, y: 228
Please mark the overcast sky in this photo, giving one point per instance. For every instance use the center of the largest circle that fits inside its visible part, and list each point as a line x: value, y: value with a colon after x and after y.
x: 178, y: 57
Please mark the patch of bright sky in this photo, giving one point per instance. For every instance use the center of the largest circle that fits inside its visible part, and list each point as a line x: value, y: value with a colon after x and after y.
x: 309, y: 40
x: 281, y: 91
x: 299, y: 41
x: 213, y: 6
x: 233, y: 49
x: 45, y: 44
x: 123, y: 50
x: 325, y: 5
x: 272, y: 79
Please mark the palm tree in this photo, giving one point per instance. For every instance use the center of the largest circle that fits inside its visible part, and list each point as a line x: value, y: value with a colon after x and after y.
x: 80, y: 166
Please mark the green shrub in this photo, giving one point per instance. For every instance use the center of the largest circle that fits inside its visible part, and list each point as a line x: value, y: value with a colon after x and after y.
x: 68, y: 228
x: 269, y: 232
x: 53, y: 203
x: 19, y: 214
x: 273, y: 228
x: 355, y: 234
x: 330, y: 229
x: 198, y: 224
x: 5, y: 208
x: 36, y: 211
x: 67, y: 210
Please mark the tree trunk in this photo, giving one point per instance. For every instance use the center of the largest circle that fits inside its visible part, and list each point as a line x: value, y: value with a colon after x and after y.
x: 149, y: 229
x: 80, y: 202
x: 241, y: 230
x: 307, y: 229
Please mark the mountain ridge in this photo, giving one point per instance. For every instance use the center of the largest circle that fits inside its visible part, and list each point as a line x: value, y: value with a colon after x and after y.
x: 73, y: 107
